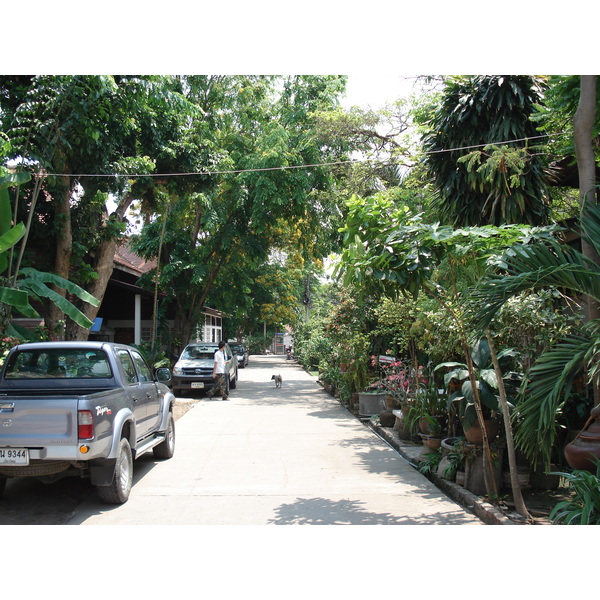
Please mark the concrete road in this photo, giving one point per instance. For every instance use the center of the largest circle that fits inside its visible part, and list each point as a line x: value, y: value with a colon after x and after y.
x: 276, y: 457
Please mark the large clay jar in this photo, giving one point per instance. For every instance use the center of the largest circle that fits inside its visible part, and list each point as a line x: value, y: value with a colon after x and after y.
x: 475, y: 436
x: 580, y: 452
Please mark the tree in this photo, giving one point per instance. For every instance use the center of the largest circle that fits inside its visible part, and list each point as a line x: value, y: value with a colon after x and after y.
x: 256, y: 141
x: 584, y: 124
x: 400, y: 255
x: 538, y: 266
x: 84, y: 131
x: 480, y: 154
x: 20, y: 286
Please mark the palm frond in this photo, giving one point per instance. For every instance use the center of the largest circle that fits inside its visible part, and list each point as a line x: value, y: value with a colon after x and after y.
x: 544, y: 395
x: 590, y: 225
x: 531, y: 268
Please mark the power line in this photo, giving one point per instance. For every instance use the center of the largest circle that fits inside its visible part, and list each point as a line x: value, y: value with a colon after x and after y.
x: 289, y: 167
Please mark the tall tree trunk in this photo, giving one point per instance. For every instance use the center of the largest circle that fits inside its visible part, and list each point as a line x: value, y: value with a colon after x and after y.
x: 583, y: 127
x: 510, y: 445
x: 64, y: 251
x: 104, y: 261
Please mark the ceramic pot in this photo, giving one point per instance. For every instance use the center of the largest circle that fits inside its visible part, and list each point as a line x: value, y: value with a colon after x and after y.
x: 390, y: 402
x: 433, y: 443
x: 401, y: 426
x: 370, y: 404
x: 387, y: 418
x: 475, y: 436
x: 580, y: 452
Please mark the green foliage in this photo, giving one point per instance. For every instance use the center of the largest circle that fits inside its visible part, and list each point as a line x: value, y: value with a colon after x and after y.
x: 257, y: 344
x: 584, y: 507
x: 547, y: 265
x: 485, y: 378
x: 555, y: 114
x: 430, y: 462
x: 495, y: 184
x: 28, y: 283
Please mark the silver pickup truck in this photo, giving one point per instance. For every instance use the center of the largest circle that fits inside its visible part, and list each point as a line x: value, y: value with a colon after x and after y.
x: 83, y: 408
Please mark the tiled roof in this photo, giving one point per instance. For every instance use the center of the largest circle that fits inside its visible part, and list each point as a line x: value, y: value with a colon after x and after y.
x: 125, y: 257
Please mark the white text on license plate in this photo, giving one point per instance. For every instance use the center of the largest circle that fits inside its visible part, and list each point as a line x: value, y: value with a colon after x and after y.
x: 197, y: 384
x: 14, y: 456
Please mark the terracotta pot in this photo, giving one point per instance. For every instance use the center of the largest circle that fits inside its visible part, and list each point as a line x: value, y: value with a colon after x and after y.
x: 387, y: 418
x: 582, y: 450
x: 390, y: 402
x: 475, y: 436
x: 433, y: 443
x: 400, y: 425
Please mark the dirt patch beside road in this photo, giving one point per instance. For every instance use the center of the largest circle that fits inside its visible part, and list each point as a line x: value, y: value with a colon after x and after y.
x: 182, y: 406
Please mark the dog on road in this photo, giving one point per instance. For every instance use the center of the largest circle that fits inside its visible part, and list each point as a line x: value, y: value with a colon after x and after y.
x: 278, y: 380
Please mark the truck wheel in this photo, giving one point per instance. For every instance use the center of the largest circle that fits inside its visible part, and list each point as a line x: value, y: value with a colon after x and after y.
x: 2, y: 485
x: 166, y: 449
x: 118, y: 491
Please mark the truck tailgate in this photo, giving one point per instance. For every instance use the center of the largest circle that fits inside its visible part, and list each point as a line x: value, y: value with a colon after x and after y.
x: 33, y: 422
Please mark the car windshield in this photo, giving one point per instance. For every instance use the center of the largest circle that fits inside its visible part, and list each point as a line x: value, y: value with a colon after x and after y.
x: 58, y: 363
x: 237, y: 349
x: 193, y: 352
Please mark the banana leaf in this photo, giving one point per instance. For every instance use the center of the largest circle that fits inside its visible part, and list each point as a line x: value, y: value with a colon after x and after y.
x: 36, y: 284
x: 60, y: 282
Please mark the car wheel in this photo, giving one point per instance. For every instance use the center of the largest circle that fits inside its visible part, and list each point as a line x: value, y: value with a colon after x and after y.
x: 233, y: 382
x: 166, y: 449
x: 118, y: 491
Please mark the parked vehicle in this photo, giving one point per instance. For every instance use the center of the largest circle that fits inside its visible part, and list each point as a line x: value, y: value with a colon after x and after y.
x: 242, y: 354
x: 82, y: 408
x: 193, y: 370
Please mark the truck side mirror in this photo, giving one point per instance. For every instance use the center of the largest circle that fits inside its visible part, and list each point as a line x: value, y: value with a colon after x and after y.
x: 163, y: 374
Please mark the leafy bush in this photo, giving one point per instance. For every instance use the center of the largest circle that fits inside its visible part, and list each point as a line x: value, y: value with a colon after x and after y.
x: 584, y: 507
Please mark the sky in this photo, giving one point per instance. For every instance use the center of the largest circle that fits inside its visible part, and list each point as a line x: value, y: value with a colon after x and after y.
x: 374, y: 90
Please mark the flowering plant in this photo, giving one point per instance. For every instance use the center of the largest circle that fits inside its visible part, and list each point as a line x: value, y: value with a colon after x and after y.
x: 396, y: 379
x: 377, y: 387
x: 6, y: 343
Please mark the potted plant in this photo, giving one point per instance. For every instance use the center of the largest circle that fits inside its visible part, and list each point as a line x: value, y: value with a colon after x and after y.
x: 453, y: 458
x: 426, y: 407
x: 463, y: 400
x: 371, y: 401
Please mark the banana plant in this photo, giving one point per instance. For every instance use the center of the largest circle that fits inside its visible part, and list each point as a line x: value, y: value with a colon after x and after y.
x: 29, y: 284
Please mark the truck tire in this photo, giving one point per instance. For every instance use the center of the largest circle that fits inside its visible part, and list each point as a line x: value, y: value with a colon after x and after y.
x: 166, y: 449
x: 118, y: 491
x: 2, y: 485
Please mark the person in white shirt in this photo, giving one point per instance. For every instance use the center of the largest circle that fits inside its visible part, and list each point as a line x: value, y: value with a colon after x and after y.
x: 218, y: 374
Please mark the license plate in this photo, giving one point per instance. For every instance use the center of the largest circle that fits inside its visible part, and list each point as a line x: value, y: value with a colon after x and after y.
x: 14, y: 456
x: 197, y: 384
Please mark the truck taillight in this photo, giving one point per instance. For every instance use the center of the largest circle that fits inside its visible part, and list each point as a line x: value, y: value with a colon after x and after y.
x: 85, y: 424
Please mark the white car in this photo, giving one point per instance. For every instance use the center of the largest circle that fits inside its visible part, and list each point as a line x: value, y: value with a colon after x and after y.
x: 193, y: 370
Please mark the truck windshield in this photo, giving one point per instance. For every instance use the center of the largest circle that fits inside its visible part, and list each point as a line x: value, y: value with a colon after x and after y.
x: 199, y: 352
x: 53, y: 364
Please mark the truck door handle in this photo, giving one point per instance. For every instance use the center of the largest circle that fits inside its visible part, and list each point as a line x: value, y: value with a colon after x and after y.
x: 7, y: 406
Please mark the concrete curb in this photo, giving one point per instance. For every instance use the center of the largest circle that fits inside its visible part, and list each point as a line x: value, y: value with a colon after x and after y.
x: 488, y: 513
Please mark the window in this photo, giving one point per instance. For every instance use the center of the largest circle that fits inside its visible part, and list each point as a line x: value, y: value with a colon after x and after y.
x: 128, y: 368
x: 142, y: 367
x: 58, y: 363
